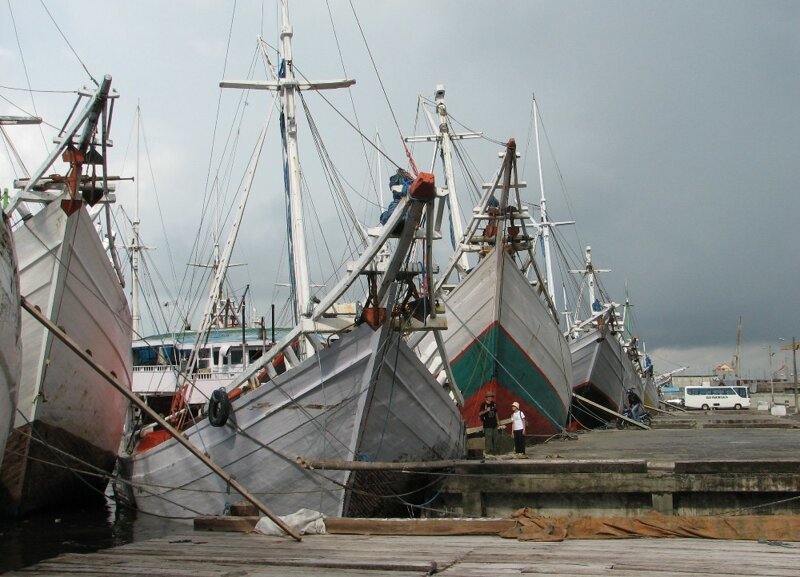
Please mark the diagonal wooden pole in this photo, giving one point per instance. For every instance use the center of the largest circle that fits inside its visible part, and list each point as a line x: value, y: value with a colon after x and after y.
x: 60, y: 335
x: 607, y: 410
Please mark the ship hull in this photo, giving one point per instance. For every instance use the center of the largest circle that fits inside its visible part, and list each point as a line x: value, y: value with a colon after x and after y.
x: 9, y: 331
x: 650, y: 395
x: 70, y: 421
x: 602, y: 373
x: 502, y: 338
x: 366, y: 397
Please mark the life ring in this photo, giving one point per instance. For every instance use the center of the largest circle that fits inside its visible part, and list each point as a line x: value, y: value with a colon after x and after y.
x: 219, y: 408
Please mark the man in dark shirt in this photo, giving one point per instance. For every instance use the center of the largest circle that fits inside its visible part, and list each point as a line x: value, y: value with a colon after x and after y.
x: 634, y: 404
x: 488, y: 414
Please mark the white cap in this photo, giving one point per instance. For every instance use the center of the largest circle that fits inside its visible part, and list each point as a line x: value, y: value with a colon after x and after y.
x: 515, y: 404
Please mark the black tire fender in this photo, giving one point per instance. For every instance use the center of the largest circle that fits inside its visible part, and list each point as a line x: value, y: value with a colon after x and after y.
x: 219, y: 408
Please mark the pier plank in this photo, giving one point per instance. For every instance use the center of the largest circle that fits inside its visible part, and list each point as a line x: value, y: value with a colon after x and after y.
x: 252, y: 555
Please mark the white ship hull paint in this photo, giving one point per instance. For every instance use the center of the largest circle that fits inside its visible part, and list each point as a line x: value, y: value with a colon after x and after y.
x: 367, y: 397
x: 602, y: 372
x: 9, y: 332
x: 69, y: 418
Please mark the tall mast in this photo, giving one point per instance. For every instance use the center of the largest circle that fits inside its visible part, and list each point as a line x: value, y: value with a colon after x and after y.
x: 738, y: 349
x: 626, y: 331
x: 135, y: 247
x: 287, y: 86
x: 590, y: 275
x: 444, y: 139
x: 301, y: 283
x: 545, y: 222
x: 447, y: 160
x: 589, y: 280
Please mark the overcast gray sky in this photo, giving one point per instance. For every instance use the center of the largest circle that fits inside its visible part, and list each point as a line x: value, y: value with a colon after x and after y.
x: 675, y: 126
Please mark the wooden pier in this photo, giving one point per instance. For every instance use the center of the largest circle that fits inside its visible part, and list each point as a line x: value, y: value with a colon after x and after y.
x: 743, y: 464
x: 689, y: 464
x: 251, y: 555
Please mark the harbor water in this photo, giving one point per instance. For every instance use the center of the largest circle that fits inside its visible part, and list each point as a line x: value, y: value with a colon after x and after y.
x: 83, y: 529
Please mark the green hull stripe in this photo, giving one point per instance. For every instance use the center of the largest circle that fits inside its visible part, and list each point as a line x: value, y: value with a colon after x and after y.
x: 494, y: 356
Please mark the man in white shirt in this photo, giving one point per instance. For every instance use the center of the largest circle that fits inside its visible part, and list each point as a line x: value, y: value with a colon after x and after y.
x: 518, y: 427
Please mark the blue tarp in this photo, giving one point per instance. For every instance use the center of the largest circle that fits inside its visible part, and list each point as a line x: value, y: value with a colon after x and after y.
x: 401, y: 178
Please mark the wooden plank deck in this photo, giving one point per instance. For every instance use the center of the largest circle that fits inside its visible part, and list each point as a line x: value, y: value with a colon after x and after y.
x: 203, y: 554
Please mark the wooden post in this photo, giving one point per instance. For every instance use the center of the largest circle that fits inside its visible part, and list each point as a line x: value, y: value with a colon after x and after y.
x: 794, y: 363
x: 794, y: 368
x: 111, y: 379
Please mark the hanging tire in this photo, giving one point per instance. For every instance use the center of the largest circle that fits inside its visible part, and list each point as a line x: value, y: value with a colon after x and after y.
x: 219, y: 408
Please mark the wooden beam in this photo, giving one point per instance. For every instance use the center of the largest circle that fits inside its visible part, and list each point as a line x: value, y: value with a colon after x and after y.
x: 607, y: 410
x: 432, y: 527
x: 374, y: 466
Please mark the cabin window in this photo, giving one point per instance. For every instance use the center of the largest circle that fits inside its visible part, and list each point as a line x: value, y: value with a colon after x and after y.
x: 204, y: 360
x: 167, y: 355
x: 235, y: 356
x: 145, y: 356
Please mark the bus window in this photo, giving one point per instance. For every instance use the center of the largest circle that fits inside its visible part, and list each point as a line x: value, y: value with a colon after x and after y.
x: 742, y: 391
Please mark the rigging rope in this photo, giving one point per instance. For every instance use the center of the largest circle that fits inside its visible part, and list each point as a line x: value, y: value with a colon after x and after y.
x: 25, y: 68
x: 385, y: 95
x: 65, y: 40
x: 375, y: 185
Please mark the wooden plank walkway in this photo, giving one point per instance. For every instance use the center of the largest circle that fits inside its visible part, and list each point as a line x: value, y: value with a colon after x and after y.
x: 204, y: 554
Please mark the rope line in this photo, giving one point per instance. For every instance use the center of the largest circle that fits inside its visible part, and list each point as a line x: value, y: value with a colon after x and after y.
x: 383, y: 89
x: 53, y: 20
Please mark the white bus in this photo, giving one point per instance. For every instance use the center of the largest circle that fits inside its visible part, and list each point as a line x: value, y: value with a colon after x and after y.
x: 719, y: 397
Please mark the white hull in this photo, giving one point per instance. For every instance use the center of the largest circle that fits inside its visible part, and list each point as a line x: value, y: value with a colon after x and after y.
x: 9, y: 332
x: 65, y: 271
x: 602, y: 372
x: 650, y: 394
x: 367, y: 397
x: 502, y: 337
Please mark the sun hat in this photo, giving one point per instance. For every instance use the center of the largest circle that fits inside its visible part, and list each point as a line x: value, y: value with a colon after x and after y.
x: 489, y: 394
x: 515, y: 404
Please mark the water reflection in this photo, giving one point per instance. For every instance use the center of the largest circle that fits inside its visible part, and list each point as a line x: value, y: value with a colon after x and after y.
x: 83, y: 529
